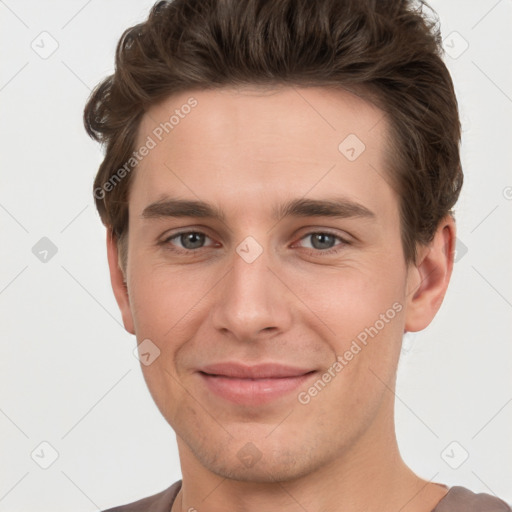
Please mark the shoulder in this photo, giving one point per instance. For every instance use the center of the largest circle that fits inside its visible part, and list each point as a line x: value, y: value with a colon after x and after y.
x: 160, y: 502
x: 460, y: 499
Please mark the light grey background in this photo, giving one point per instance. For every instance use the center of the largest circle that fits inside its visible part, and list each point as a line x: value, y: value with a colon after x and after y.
x: 68, y: 374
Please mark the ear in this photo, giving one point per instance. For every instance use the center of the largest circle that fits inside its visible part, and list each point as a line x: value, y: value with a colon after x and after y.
x: 118, y: 283
x: 428, y: 279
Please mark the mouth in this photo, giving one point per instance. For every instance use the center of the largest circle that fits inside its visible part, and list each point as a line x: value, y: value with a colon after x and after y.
x: 255, y: 391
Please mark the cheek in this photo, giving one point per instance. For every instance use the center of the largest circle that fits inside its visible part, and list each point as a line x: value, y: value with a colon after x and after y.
x: 367, y: 319
x: 352, y: 297
x: 161, y: 298
x: 359, y: 310
x: 162, y: 304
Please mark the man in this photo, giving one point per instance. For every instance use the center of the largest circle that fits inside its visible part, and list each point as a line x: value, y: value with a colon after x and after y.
x: 277, y: 188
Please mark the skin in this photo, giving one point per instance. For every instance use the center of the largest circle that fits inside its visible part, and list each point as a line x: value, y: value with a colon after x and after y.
x: 246, y: 150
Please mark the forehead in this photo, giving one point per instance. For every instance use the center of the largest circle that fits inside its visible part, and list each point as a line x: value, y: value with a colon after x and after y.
x: 314, y: 113
x: 251, y: 143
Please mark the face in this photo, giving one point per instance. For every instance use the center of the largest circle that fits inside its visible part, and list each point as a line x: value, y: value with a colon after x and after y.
x: 295, y: 259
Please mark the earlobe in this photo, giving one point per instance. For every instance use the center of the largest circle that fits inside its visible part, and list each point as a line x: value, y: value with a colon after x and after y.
x: 428, y: 280
x: 117, y: 280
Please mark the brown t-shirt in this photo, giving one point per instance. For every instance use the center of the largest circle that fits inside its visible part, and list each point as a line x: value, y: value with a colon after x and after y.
x: 458, y: 499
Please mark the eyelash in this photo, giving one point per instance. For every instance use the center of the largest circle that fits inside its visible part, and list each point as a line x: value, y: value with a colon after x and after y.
x: 315, y: 252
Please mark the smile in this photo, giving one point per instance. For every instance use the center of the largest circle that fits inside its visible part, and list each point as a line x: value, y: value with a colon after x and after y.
x: 252, y: 391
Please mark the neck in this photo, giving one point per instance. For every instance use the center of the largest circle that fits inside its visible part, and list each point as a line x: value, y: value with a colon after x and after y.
x: 370, y: 476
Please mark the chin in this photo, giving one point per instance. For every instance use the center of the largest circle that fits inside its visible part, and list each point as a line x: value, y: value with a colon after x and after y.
x: 263, y: 472
x: 262, y: 461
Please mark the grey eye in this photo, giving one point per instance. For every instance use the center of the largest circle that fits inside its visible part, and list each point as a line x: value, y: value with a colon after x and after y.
x: 192, y: 240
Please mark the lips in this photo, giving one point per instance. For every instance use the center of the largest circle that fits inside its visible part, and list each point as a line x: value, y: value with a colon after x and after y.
x: 253, y: 385
x: 260, y: 371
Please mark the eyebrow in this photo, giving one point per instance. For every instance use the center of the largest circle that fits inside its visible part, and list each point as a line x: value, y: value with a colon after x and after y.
x: 334, y: 207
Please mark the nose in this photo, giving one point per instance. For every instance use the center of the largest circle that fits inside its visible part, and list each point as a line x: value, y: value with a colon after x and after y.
x: 251, y: 301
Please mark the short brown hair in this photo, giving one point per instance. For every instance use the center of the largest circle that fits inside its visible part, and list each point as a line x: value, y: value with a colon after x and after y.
x: 388, y: 51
